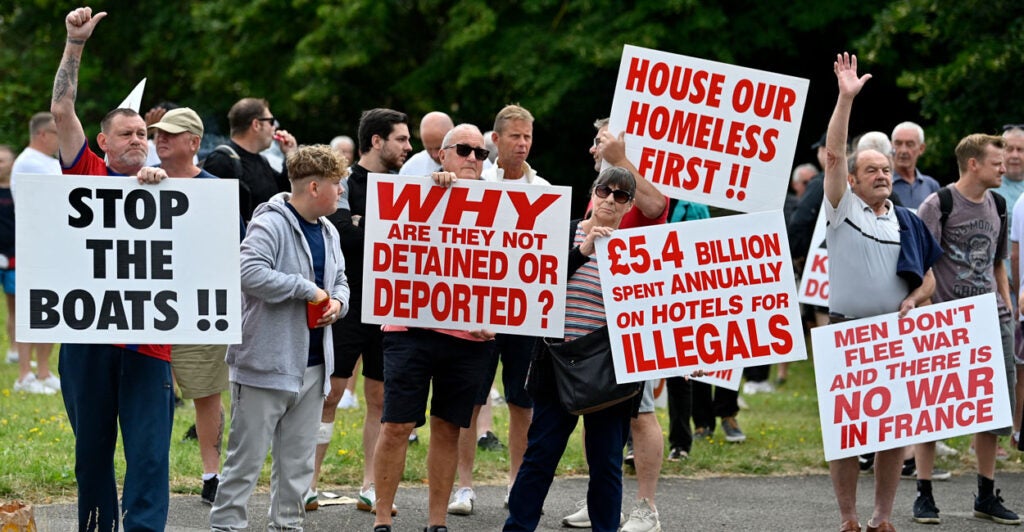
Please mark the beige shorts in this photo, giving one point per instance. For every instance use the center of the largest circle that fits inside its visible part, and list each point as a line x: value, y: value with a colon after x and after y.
x: 200, y: 370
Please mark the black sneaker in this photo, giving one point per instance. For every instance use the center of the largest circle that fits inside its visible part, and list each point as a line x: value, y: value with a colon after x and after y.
x: 676, y: 454
x: 909, y: 470
x: 210, y: 489
x: 190, y: 434
x: 382, y: 528
x: 991, y: 507
x: 925, y: 510
x: 436, y: 528
x: 866, y: 462
x: 490, y: 442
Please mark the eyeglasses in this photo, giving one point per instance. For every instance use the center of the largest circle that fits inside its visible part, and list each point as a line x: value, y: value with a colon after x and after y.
x: 463, y: 150
x: 620, y: 196
x: 270, y: 119
x: 1007, y: 127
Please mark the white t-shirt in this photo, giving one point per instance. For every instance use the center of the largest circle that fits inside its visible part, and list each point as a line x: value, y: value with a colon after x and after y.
x: 33, y: 161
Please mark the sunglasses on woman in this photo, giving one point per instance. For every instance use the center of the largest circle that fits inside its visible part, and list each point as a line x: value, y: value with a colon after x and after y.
x: 463, y: 150
x: 620, y: 196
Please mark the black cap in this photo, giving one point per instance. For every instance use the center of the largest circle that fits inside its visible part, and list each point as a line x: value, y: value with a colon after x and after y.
x: 820, y: 143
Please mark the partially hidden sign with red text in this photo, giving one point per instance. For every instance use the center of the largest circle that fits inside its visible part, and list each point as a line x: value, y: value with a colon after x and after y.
x: 478, y: 255
x: 814, y: 280
x: 708, y: 132
x: 886, y: 382
x: 706, y: 295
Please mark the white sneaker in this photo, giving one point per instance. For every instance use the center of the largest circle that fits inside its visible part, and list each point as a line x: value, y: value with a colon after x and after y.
x: 942, y: 449
x: 12, y: 356
x: 581, y: 517
x: 348, y: 401
x: 578, y: 519
x: 51, y: 382
x: 462, y: 503
x: 31, y: 385
x: 642, y: 518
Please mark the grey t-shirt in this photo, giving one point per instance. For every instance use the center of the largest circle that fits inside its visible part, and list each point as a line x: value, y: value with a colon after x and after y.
x: 971, y: 243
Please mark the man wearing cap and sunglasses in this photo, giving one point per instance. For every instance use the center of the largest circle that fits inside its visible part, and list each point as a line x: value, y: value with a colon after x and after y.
x: 199, y: 370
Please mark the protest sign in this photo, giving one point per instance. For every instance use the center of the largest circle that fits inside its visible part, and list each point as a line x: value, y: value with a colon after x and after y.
x: 726, y: 378
x: 711, y: 294
x: 814, y: 280
x: 477, y: 255
x: 708, y: 132
x: 106, y: 260
x: 886, y: 382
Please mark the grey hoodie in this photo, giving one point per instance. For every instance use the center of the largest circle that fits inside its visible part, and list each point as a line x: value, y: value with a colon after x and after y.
x: 277, y: 281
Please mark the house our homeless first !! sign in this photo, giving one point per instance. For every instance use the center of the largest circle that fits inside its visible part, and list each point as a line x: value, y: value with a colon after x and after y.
x: 105, y: 260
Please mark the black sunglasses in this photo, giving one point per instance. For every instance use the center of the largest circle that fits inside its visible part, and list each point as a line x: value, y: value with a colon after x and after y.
x: 463, y: 150
x: 1007, y: 127
x: 270, y: 119
x: 620, y: 196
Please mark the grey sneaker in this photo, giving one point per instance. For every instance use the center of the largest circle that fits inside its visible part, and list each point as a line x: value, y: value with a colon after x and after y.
x: 642, y: 518
x: 490, y: 442
x: 733, y: 434
x: 991, y: 507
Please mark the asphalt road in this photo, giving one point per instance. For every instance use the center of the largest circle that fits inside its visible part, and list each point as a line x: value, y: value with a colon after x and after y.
x: 802, y: 503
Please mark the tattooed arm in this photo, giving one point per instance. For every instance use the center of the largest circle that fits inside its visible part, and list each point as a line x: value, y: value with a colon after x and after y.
x: 80, y: 24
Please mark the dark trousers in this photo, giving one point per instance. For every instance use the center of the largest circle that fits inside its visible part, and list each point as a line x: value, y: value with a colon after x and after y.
x: 709, y: 404
x: 549, y: 433
x: 680, y: 409
x: 757, y: 373
x: 104, y: 386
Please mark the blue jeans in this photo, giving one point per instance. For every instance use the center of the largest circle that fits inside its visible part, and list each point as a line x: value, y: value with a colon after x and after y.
x: 104, y: 385
x: 549, y: 433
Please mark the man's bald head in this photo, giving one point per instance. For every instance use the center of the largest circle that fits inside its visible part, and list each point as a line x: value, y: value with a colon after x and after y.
x: 433, y: 127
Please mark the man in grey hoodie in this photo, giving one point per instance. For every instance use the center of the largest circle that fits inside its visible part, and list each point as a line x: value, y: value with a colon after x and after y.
x: 290, y: 262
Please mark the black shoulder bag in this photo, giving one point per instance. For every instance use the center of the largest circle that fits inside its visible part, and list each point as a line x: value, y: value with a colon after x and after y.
x: 585, y: 374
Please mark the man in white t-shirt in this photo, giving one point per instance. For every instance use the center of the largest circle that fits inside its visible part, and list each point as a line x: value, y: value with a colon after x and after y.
x: 39, y: 157
x: 433, y: 127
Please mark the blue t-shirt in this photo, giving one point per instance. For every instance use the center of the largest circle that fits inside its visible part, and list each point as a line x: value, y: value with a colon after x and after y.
x: 315, y: 238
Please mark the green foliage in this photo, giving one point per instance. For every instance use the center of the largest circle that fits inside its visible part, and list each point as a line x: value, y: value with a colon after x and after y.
x: 960, y: 62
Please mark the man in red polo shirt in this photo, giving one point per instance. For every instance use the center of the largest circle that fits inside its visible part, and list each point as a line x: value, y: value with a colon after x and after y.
x: 109, y: 385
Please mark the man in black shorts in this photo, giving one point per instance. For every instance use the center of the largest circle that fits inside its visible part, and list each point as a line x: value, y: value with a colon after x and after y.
x: 383, y: 147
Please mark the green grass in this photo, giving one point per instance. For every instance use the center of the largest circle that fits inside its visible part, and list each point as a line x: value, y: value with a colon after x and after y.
x: 783, y: 438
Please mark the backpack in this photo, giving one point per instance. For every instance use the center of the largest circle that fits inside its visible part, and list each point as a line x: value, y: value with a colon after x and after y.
x: 946, y: 207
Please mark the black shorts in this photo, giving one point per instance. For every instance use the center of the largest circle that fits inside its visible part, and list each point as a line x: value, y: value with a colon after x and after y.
x: 353, y: 339
x: 418, y: 357
x: 515, y: 352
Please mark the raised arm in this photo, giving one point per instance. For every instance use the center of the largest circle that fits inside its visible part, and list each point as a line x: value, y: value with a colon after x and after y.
x: 649, y: 199
x: 80, y: 24
x: 835, y: 141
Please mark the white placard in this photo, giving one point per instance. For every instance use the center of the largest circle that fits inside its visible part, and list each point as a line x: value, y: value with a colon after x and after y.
x: 106, y: 260
x: 478, y: 255
x: 711, y: 294
x: 708, y: 132
x: 886, y: 382
x: 814, y: 280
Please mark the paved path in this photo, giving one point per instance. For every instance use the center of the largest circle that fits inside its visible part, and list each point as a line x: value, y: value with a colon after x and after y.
x: 802, y: 503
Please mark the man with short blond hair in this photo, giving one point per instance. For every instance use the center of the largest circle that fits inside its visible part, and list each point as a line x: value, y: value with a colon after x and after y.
x: 974, y: 232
